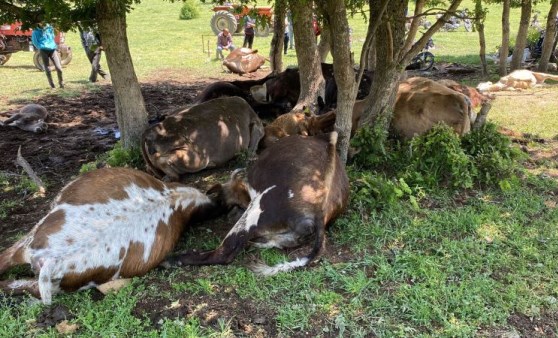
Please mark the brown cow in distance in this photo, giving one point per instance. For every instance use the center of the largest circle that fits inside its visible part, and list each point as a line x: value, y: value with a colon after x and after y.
x: 294, y: 190
x: 107, y: 224
x: 243, y: 61
x: 204, y: 136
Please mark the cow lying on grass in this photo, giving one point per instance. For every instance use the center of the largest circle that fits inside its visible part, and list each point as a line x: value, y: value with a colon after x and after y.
x: 29, y: 118
x: 517, y: 80
x: 204, y: 136
x: 106, y: 224
x: 293, y: 191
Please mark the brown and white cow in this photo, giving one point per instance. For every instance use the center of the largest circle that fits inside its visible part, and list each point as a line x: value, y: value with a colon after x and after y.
x: 421, y: 103
x: 477, y: 99
x: 203, y: 136
x: 295, y: 189
x: 107, y: 224
x: 29, y: 118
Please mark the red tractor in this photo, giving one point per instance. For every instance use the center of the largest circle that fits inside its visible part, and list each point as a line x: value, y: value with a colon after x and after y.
x: 13, y: 40
x: 230, y: 17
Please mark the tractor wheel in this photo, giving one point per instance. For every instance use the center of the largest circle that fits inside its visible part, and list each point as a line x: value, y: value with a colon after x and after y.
x: 4, y: 58
x: 263, y: 31
x: 223, y: 19
x: 65, y: 58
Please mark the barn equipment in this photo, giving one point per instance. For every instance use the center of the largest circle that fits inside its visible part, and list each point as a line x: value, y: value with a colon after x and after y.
x: 231, y: 17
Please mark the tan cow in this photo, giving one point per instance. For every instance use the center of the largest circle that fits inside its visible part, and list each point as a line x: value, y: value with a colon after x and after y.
x: 421, y: 103
x: 204, y: 136
x: 517, y: 80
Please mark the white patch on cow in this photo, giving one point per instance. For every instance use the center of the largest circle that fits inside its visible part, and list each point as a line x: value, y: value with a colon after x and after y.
x: 224, y: 129
x: 266, y: 270
x: 94, y: 234
x: 291, y: 194
x: 277, y: 241
x: 251, y: 216
x: 20, y: 284
x: 251, y: 191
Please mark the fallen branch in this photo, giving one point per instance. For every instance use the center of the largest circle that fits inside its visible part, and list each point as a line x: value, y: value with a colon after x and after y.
x: 36, y: 179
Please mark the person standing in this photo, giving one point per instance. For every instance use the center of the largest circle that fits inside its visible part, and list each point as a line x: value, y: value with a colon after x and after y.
x: 289, y: 28
x: 91, y: 42
x: 43, y: 39
x: 224, y: 41
x: 286, y: 38
x: 249, y: 32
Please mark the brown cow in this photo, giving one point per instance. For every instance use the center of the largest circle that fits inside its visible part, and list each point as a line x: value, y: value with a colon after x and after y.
x: 107, y: 224
x: 297, y: 124
x: 29, y: 118
x: 203, y: 136
x: 421, y: 103
x: 295, y: 189
x: 243, y: 60
x: 477, y: 99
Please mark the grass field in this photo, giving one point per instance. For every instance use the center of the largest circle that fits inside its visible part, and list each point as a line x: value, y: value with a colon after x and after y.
x: 432, y: 263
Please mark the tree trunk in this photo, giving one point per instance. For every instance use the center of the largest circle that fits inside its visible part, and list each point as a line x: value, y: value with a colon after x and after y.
x: 324, y: 45
x: 312, y: 83
x: 521, y: 40
x: 131, y: 114
x: 550, y: 33
x: 504, y: 50
x: 371, y: 59
x: 276, y: 51
x: 479, y: 23
x: 343, y: 72
x: 390, y: 40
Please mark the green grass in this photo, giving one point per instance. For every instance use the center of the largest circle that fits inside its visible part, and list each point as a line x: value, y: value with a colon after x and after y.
x: 403, y: 269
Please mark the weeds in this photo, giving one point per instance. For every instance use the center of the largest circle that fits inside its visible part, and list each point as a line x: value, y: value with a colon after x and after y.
x: 117, y: 157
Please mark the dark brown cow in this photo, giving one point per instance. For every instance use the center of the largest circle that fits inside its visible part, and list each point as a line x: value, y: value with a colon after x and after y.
x: 243, y: 61
x: 29, y: 118
x: 107, y: 224
x: 204, y: 136
x: 295, y: 189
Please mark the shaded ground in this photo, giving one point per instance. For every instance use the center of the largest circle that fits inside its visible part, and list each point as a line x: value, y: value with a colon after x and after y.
x: 81, y: 128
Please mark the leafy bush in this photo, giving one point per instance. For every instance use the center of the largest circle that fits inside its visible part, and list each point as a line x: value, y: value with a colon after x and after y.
x: 117, y: 157
x: 370, y: 144
x: 189, y: 10
x: 436, y: 158
x: 491, y: 153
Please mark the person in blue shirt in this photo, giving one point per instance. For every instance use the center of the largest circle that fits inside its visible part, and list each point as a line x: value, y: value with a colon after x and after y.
x: 43, y: 39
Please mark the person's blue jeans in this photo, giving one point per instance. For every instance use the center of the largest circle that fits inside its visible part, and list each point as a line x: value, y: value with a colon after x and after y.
x: 220, y: 51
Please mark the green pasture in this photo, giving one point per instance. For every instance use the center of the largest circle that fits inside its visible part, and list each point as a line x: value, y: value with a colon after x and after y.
x: 404, y: 260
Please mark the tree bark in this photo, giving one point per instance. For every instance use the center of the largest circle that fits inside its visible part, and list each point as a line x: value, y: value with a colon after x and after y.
x: 521, y: 40
x: 312, y: 83
x: 276, y: 52
x: 343, y: 72
x: 550, y: 33
x: 504, y: 50
x: 131, y: 114
x: 390, y: 40
x: 479, y: 23
x: 324, y: 45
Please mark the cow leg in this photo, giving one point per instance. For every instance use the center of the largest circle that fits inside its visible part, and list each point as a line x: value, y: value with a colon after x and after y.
x: 12, y: 119
x: 14, y: 255
x: 20, y: 287
x: 317, y: 249
x: 236, y: 240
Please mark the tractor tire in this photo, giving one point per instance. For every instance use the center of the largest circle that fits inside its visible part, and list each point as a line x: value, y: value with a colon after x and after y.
x: 4, y: 58
x: 223, y: 19
x: 65, y: 58
x: 261, y: 31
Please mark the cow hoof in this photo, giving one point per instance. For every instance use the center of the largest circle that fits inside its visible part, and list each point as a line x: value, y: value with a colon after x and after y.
x: 171, y: 263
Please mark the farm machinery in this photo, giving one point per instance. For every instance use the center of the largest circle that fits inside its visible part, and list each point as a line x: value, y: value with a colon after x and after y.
x: 13, y: 39
x: 232, y: 17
